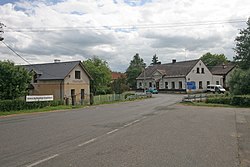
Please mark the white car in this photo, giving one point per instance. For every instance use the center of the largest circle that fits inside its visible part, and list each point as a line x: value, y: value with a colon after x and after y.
x: 215, y: 88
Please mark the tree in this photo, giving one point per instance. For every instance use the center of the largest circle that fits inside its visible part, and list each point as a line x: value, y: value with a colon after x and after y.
x: 242, y: 47
x: 155, y: 60
x: 211, y: 60
x: 119, y: 85
x: 134, y: 70
x: 14, y: 81
x: 239, y: 83
x: 101, y: 74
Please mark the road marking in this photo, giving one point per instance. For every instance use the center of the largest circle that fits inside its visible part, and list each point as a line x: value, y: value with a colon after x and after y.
x: 87, y: 142
x: 128, y: 124
x: 113, y: 131
x: 136, y: 121
x: 131, y: 123
x: 43, y: 160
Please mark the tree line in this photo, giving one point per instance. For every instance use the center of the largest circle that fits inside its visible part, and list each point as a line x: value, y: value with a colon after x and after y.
x: 14, y: 80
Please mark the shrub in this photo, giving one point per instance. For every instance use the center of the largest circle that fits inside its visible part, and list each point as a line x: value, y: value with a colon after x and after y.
x: 243, y: 101
x: 16, y: 105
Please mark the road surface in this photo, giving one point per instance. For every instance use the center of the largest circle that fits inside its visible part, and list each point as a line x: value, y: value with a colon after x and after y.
x: 152, y: 132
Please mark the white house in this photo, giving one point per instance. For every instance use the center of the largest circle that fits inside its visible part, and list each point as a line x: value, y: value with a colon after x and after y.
x: 186, y: 76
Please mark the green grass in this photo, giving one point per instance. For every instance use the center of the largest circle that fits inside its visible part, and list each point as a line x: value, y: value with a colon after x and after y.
x: 45, y: 109
x: 210, y: 104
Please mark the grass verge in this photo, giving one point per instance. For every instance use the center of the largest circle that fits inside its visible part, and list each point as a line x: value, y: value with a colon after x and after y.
x: 207, y: 104
x: 45, y: 109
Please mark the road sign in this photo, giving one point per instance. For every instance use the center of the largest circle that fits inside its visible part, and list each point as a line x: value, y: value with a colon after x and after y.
x: 39, y: 98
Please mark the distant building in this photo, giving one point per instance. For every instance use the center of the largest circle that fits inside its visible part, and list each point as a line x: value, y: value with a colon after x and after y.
x: 184, y: 76
x: 64, y: 80
x: 117, y: 75
x: 224, y: 70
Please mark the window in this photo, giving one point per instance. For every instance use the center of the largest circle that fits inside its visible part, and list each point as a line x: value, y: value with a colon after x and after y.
x: 140, y: 84
x: 198, y: 70
x: 200, y: 85
x: 77, y: 74
x: 180, y: 85
x: 208, y: 82
x: 166, y: 85
x: 150, y: 84
x: 173, y: 85
x: 82, y: 94
x: 202, y: 70
x: 217, y: 82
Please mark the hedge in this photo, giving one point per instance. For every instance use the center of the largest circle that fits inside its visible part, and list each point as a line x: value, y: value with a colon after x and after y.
x: 243, y: 101
x: 16, y: 105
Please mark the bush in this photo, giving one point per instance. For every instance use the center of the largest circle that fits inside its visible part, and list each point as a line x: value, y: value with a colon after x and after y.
x: 219, y: 100
x: 243, y: 101
x: 16, y: 105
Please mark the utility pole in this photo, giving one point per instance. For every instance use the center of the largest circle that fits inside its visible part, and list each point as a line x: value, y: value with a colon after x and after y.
x: 1, y: 31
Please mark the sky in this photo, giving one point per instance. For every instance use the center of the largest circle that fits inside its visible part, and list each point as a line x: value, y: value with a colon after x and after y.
x: 41, y: 31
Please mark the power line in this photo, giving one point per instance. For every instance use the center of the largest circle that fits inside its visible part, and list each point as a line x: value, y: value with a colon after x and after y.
x: 126, y: 27
x: 15, y: 52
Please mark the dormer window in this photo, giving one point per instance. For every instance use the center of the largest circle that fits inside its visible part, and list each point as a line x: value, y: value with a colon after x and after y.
x: 77, y: 74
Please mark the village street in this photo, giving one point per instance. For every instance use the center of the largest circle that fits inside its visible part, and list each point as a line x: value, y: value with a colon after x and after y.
x: 152, y: 132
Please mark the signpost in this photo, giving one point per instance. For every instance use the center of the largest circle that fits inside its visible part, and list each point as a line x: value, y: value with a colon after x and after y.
x: 39, y: 98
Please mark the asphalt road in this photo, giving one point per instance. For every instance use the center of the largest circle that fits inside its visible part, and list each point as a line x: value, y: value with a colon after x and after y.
x: 151, y: 132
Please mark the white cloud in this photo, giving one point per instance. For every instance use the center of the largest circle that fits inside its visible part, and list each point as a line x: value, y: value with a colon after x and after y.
x: 116, y: 30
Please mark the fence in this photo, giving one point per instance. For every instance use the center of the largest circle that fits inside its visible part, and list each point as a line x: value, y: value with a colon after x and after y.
x: 100, y: 99
x: 108, y: 98
x: 195, y: 97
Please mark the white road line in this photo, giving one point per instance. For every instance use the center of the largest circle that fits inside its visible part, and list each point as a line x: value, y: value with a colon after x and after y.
x: 128, y: 124
x: 87, y: 142
x: 131, y: 123
x: 136, y: 121
x: 43, y: 160
x: 113, y: 131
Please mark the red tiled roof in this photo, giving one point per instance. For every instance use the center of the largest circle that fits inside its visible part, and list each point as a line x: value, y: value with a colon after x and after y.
x: 116, y: 75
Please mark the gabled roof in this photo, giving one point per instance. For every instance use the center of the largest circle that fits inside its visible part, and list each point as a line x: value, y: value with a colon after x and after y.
x: 222, y: 69
x: 177, y: 69
x: 54, y: 71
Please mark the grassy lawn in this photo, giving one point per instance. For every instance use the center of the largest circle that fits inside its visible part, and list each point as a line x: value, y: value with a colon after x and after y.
x: 45, y: 109
x: 210, y: 104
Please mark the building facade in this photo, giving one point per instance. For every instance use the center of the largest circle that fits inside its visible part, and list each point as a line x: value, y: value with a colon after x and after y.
x: 184, y: 76
x: 68, y: 81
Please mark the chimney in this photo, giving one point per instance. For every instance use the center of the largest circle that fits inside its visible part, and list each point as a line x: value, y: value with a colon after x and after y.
x: 224, y: 66
x: 173, y: 61
x: 57, y: 61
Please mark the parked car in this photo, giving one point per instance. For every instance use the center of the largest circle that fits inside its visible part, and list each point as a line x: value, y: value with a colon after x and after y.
x: 215, y: 88
x: 152, y: 90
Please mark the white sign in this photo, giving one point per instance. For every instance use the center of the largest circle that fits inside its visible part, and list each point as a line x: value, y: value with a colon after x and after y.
x: 39, y: 98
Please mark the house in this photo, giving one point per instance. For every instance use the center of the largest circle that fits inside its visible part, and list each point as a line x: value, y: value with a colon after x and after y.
x: 183, y: 76
x: 67, y: 81
x: 225, y: 71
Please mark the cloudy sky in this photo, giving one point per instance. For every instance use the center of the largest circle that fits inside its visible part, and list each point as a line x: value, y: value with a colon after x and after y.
x: 115, y: 30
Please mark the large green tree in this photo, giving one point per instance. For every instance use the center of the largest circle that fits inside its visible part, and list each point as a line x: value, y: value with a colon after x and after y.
x: 101, y: 74
x: 242, y: 48
x: 239, y: 83
x: 136, y: 67
x: 14, y: 81
x: 212, y: 60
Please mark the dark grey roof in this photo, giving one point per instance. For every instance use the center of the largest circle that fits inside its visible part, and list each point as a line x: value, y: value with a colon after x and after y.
x: 222, y: 69
x: 53, y: 71
x: 178, y: 69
